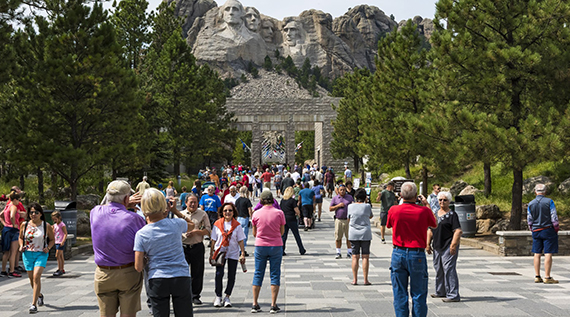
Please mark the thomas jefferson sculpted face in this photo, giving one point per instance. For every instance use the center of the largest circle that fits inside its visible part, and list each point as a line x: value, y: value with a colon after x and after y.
x: 232, y: 12
x: 252, y: 19
x: 267, y: 28
x: 292, y: 33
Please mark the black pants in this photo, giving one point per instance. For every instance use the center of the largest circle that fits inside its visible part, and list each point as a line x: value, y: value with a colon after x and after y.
x: 295, y: 230
x: 160, y: 290
x: 195, y: 259
x: 232, y: 268
x: 213, y: 216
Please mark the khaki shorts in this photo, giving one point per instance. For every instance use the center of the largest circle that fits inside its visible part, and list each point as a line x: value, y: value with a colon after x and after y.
x: 118, y: 288
x: 340, y: 229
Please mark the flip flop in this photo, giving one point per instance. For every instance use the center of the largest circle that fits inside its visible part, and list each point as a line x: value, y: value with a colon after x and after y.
x: 353, y: 283
x: 368, y: 283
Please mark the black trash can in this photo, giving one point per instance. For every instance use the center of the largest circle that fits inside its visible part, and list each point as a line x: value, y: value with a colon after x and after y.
x: 68, y: 211
x: 465, y: 209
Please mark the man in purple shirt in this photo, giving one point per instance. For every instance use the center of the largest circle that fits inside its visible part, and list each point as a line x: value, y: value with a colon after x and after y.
x: 113, y: 229
x: 339, y: 204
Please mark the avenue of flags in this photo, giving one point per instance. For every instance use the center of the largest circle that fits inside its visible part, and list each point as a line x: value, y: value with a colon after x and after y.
x: 272, y: 150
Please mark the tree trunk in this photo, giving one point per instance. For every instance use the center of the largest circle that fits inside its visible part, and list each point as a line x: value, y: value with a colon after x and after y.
x: 53, y: 181
x: 22, y: 182
x: 516, y: 207
x: 176, y: 163
x: 408, y: 173
x: 41, y: 185
x: 424, y: 188
x: 73, y: 181
x: 357, y: 168
x: 487, y: 172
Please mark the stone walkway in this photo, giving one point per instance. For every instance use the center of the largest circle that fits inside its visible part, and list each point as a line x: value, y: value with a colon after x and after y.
x: 316, y: 284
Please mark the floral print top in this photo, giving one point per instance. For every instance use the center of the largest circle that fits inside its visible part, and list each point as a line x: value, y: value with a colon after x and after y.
x: 34, y: 237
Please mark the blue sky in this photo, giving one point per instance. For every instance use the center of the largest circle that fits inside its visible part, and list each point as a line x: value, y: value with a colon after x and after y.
x: 402, y: 9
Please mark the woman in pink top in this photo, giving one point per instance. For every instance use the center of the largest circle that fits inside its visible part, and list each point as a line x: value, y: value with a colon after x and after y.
x: 11, y: 217
x: 268, y: 227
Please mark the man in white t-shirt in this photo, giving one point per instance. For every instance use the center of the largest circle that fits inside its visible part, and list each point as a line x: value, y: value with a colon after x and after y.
x: 295, y: 176
x: 232, y: 196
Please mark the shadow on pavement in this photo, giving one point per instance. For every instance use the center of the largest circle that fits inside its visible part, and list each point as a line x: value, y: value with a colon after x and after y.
x: 486, y: 299
x: 77, y: 307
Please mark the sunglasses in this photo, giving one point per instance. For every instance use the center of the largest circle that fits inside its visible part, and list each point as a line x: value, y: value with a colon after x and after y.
x: 228, y: 210
x: 35, y: 212
x: 443, y: 200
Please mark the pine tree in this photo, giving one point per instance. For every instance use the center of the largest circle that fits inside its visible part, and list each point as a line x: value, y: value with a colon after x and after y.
x: 504, y: 65
x: 133, y: 28
x: 268, y: 64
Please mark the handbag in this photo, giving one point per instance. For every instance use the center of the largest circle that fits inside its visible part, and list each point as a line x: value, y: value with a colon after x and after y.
x: 219, y: 260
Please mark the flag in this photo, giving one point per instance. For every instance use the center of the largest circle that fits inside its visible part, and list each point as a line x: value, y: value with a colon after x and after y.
x: 245, y: 147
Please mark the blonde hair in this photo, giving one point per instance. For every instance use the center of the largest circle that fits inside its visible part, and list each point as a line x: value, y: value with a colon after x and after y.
x: 152, y: 201
x: 289, y: 192
x: 170, y: 184
x: 56, y: 214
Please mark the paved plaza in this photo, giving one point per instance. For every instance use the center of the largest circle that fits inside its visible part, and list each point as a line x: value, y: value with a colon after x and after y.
x: 316, y: 284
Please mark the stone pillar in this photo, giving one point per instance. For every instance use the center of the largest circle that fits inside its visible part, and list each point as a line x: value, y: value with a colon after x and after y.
x: 290, y: 144
x: 319, y: 143
x: 326, y: 139
x: 255, y: 143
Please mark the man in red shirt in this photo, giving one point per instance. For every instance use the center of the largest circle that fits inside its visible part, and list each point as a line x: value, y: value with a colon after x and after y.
x: 267, y: 178
x: 409, y: 223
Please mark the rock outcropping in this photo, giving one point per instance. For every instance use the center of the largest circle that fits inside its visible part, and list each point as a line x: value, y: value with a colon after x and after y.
x: 231, y: 36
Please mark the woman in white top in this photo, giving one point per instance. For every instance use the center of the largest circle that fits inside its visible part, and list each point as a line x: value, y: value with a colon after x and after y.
x: 227, y: 236
x: 36, y: 239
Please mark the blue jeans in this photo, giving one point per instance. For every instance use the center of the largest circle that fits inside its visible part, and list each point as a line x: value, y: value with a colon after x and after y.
x: 245, y: 225
x: 274, y: 256
x: 413, y: 265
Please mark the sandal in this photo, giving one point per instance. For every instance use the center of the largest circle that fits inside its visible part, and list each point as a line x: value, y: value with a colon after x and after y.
x: 367, y: 283
x: 353, y: 283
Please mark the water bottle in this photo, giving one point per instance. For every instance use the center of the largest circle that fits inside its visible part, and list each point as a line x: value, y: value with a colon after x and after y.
x: 243, y: 267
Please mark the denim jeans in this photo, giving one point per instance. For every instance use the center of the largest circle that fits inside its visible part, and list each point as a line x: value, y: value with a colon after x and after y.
x: 295, y: 230
x: 410, y: 265
x: 232, y: 268
x: 274, y: 256
x: 245, y: 225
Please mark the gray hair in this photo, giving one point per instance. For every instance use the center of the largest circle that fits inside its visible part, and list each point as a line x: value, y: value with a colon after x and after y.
x: 409, y: 191
x: 212, y: 187
x: 233, y: 187
x: 445, y: 195
x: 144, y: 178
x: 540, y: 188
x: 117, y: 191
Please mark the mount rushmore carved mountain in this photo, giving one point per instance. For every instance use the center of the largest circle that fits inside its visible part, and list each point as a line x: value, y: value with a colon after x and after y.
x: 231, y: 36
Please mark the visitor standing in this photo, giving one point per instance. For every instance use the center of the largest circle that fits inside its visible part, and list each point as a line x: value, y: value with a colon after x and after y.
x: 319, y: 191
x: 360, y: 234
x: 142, y: 186
x: 11, y: 217
x: 339, y: 204
x: 210, y: 204
x: 244, y: 212
x: 433, y: 198
x: 60, y: 232
x: 387, y: 199
x: 306, y: 201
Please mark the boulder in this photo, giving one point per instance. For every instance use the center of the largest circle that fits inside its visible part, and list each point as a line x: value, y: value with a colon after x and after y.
x: 64, y: 193
x: 488, y: 212
x: 87, y: 202
x: 485, y: 225
x: 530, y: 183
x: 469, y: 190
x: 564, y: 187
x: 503, y: 225
x: 457, y: 187
x: 83, y: 224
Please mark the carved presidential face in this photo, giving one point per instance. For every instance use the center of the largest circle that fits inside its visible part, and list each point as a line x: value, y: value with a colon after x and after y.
x: 292, y: 33
x: 232, y: 12
x: 252, y: 19
x: 267, y: 28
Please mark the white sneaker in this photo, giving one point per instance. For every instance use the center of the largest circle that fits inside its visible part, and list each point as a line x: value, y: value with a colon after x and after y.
x: 227, y: 302
x: 218, y: 302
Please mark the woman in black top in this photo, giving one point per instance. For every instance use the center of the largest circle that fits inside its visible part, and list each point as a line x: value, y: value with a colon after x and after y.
x: 445, y: 250
x: 291, y: 211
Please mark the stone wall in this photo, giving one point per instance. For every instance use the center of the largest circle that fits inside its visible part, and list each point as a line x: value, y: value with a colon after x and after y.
x: 289, y: 115
x: 513, y: 243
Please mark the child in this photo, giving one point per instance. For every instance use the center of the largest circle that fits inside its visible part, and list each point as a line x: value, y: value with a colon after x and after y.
x: 60, y: 231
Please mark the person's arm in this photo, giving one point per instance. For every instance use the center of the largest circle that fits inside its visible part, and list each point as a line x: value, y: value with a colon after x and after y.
x: 2, y: 218
x: 554, y: 216
x: 529, y: 219
x: 13, y: 212
x: 172, y: 208
x: 250, y: 209
x: 297, y: 212
x: 455, y: 242
x: 51, y: 237
x: 282, y: 228
x: 242, y: 248
x: 64, y: 229
x: 254, y: 230
x: 428, y: 244
x: 21, y: 236
x: 139, y: 261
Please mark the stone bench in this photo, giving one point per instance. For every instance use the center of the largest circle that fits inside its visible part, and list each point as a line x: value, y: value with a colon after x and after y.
x: 513, y: 243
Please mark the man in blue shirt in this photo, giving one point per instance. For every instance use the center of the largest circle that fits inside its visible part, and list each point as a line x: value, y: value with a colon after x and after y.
x: 210, y: 204
x: 307, y: 200
x: 543, y: 222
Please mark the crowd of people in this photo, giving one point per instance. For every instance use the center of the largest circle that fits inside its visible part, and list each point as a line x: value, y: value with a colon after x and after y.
x: 141, y: 239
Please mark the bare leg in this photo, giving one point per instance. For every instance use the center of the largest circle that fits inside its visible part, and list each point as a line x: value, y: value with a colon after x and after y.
x: 348, y: 245
x: 338, y: 244
x: 355, y: 259
x: 256, y: 290
x: 547, y: 264
x: 60, y: 261
x: 274, y: 293
x: 37, y: 283
x: 13, y: 254
x: 382, y: 231
x: 365, y: 266
x: 5, y: 257
x: 320, y: 209
x: 31, y: 277
x: 537, y: 264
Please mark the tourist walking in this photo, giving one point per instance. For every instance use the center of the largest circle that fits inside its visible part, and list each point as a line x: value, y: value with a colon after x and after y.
x: 329, y: 182
x: 244, y: 212
x: 339, y: 204
x: 445, y: 248
x: 159, y: 242
x: 291, y: 211
x: 210, y: 204
x: 360, y: 234
x: 142, y: 186
x: 307, y: 201
x: 36, y: 239
x: 60, y: 232
x: 319, y: 191
x: 170, y: 190
x: 227, y: 236
x: 268, y: 228
x: 387, y: 199
x: 543, y: 222
x: 113, y: 228
x: 193, y: 244
x: 11, y: 217
x: 409, y: 223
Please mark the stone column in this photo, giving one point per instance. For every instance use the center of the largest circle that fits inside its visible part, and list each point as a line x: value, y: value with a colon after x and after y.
x: 319, y: 143
x: 255, y: 143
x: 326, y: 139
x: 290, y: 144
